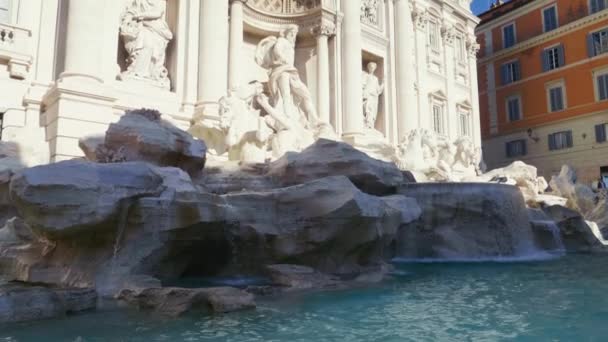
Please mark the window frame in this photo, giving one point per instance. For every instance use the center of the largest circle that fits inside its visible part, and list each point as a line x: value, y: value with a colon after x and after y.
x: 554, y: 6
x: 434, y: 31
x: 605, y: 36
x: 523, y: 151
x: 603, y: 71
x: 513, y: 73
x: 10, y: 18
x: 519, y: 107
x: 559, y: 55
x: 504, y: 42
x: 591, y: 7
x: 568, y: 136
x: 554, y: 85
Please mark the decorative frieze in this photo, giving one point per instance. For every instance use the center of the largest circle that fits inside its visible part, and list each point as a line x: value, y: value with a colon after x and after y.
x: 285, y: 6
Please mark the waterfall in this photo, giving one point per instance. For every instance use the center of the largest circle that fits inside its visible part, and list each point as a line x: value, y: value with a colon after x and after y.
x: 125, y: 205
x: 473, y: 222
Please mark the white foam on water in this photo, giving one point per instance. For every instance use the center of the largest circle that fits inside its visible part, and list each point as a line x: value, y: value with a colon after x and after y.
x: 539, y: 255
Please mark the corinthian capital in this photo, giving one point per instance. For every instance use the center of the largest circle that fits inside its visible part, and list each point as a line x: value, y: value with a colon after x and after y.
x: 449, y: 33
x: 323, y: 29
x: 420, y: 16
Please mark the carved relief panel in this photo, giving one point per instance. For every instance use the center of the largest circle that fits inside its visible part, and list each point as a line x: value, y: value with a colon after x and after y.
x: 285, y: 6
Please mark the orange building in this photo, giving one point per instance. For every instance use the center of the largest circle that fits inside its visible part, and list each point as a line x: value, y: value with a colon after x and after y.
x: 543, y: 82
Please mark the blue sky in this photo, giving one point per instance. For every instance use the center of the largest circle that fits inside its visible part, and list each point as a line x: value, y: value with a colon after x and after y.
x: 479, y: 6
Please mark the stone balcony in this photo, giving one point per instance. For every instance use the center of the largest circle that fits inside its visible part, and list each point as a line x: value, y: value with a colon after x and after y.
x: 15, y: 50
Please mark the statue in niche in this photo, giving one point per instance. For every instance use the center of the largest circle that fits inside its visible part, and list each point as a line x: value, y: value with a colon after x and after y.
x: 146, y: 34
x: 372, y: 89
x: 288, y: 94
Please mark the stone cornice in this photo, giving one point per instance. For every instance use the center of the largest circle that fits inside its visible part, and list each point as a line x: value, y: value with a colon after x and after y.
x: 542, y: 38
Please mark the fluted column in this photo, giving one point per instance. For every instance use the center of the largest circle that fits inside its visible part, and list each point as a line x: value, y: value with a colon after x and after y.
x: 236, y: 42
x: 407, y: 109
x: 352, y: 92
x: 84, y: 52
x: 213, y: 54
x: 472, y: 50
x: 322, y: 32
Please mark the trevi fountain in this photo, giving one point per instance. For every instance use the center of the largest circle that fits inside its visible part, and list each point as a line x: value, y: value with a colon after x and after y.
x: 268, y: 223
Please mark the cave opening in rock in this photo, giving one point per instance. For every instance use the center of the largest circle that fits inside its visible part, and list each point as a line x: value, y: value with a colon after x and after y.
x: 196, y: 252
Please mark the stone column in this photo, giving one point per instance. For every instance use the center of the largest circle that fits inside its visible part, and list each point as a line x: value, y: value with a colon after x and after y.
x: 322, y: 32
x: 420, y: 18
x: 407, y: 109
x: 236, y: 42
x: 472, y: 50
x: 352, y: 92
x: 213, y: 55
x: 84, y: 52
x: 448, y: 34
x: 78, y: 104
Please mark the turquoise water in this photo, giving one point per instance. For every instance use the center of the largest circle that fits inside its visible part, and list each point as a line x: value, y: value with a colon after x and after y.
x: 557, y: 300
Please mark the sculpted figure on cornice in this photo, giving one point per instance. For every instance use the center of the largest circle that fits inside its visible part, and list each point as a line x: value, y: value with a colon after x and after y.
x: 372, y: 89
x: 145, y: 35
x: 369, y: 12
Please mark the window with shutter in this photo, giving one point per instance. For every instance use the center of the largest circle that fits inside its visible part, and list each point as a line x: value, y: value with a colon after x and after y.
x: 600, y: 133
x: 556, y: 99
x: 510, y: 72
x: 508, y: 36
x: 560, y: 140
x: 550, y: 18
x: 514, y: 108
x: 516, y: 148
x: 597, y: 43
x: 553, y: 58
x: 5, y: 14
x: 597, y: 5
x: 602, y: 86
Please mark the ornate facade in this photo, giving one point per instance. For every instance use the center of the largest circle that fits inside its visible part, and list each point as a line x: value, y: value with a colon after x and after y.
x: 69, y: 68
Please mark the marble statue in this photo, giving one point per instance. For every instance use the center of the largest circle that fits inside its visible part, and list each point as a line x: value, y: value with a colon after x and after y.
x: 245, y: 134
x: 146, y: 34
x: 372, y: 89
x: 289, y: 94
x: 436, y: 157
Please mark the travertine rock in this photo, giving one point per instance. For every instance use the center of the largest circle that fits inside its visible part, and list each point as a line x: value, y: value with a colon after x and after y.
x: 577, y: 235
x: 21, y: 302
x: 328, y: 224
x: 78, y: 196
x: 141, y: 135
x: 175, y: 301
x: 330, y: 158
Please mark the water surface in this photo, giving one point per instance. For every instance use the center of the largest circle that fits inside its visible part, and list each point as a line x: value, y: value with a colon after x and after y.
x: 556, y: 300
